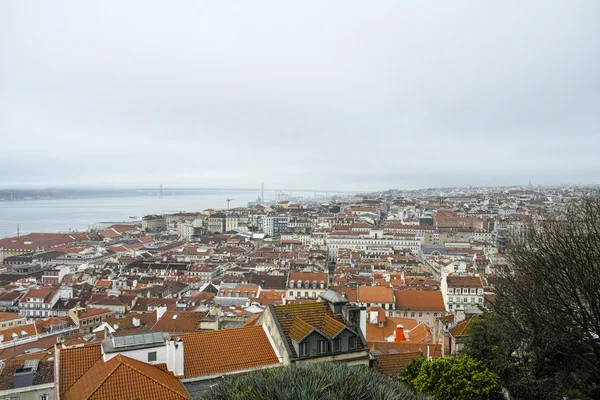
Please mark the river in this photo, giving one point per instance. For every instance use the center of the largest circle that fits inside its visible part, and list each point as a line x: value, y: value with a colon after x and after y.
x: 80, y: 214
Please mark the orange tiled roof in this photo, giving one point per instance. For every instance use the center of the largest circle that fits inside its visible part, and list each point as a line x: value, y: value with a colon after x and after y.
x: 429, y: 300
x: 331, y: 327
x: 217, y: 352
x: 122, y: 377
x: 299, y: 330
x: 76, y: 361
x: 179, y: 321
x: 462, y: 328
x: 391, y: 365
x: 375, y: 294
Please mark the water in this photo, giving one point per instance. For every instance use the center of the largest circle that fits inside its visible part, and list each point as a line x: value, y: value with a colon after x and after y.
x: 64, y: 215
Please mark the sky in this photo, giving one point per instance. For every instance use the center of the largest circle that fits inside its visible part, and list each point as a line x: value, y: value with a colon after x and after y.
x: 346, y: 95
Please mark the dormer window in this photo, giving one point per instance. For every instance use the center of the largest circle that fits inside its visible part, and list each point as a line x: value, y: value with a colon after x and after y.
x: 292, y: 284
x: 381, y: 324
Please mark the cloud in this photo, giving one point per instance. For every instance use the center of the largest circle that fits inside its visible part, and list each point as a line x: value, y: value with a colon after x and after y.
x: 333, y: 96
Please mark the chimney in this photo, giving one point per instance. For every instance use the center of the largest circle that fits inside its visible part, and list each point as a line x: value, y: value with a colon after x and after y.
x: 399, y: 334
x: 363, y: 321
x: 175, y: 356
x: 160, y: 311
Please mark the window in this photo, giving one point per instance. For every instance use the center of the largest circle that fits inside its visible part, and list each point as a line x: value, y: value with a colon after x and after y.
x: 322, y: 348
x: 306, y: 295
x: 337, y: 344
x: 449, y: 306
x: 291, y: 293
x: 481, y: 299
x: 450, y: 299
x: 451, y: 290
x: 44, y: 397
x: 412, y: 314
x: 298, y: 295
x: 472, y: 299
x: 405, y: 314
x: 352, y: 343
x: 465, y: 299
x: 303, y: 349
x: 420, y: 315
x: 151, y: 356
x: 435, y: 314
x: 472, y: 291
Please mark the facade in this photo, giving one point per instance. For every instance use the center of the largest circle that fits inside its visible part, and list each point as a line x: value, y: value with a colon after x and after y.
x: 306, y: 285
x: 216, y: 223
x: 90, y: 318
x: 334, y: 243
x: 462, y: 292
x: 154, y: 223
x: 276, y: 225
x: 38, y: 303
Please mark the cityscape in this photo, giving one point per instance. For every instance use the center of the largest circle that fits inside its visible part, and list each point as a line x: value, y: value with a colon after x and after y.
x: 380, y: 278
x: 267, y: 200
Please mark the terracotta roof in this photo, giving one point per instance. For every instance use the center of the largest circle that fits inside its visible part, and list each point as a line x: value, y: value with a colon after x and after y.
x: 218, y: 352
x: 462, y: 328
x: 74, y: 362
x: 308, y: 276
x: 375, y: 332
x: 299, y: 330
x: 93, y: 312
x: 122, y: 377
x: 7, y: 316
x: 446, y: 319
x: 426, y: 300
x: 464, y: 281
x: 314, y: 314
x: 179, y: 322
x: 435, y: 350
x: 375, y: 294
x: 391, y: 365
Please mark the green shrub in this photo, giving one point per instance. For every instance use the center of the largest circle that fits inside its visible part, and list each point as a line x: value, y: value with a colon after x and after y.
x: 324, y: 381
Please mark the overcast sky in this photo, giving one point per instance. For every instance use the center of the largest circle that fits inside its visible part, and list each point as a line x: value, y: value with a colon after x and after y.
x: 311, y: 94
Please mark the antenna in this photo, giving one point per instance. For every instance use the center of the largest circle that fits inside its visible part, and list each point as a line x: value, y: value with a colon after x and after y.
x: 18, y: 235
x: 228, y: 200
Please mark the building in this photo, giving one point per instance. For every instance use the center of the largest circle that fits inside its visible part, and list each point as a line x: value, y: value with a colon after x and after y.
x: 276, y: 225
x: 38, y: 303
x: 216, y: 223
x: 306, y: 285
x: 421, y: 305
x: 89, y: 319
x: 361, y: 242
x: 328, y: 331
x: 462, y: 291
x: 154, y: 223
x: 156, y: 366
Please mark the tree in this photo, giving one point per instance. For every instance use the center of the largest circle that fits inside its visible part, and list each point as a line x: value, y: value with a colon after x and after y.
x: 452, y: 378
x: 541, y: 333
x: 324, y: 381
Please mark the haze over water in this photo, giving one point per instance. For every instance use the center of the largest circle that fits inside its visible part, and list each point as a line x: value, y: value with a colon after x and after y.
x: 62, y: 215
